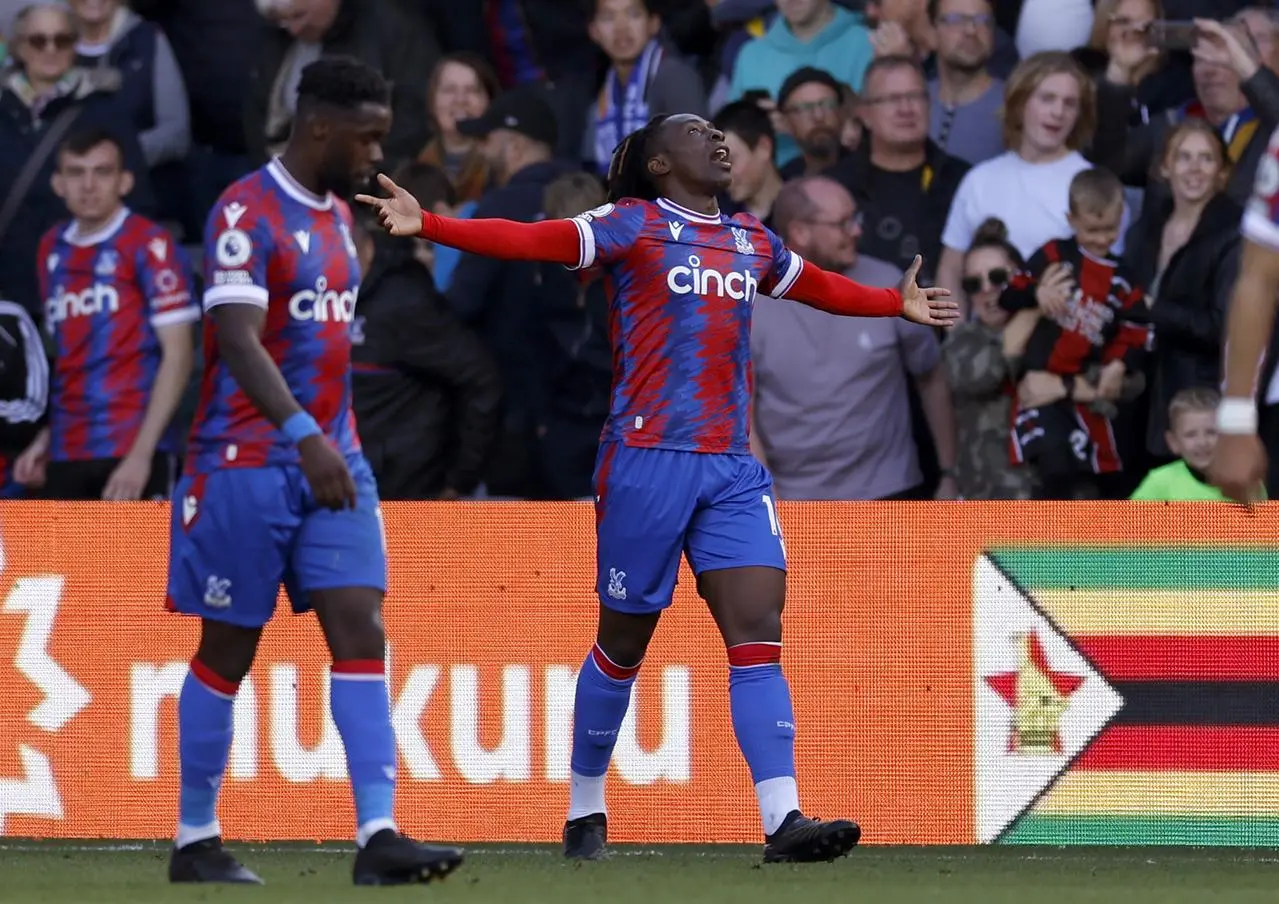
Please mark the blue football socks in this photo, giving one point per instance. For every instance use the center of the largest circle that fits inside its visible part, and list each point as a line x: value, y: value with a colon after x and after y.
x: 362, y: 713
x: 603, y: 696
x: 204, y: 742
x: 764, y: 723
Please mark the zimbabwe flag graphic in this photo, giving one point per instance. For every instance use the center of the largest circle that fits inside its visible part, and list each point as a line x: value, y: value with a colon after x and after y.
x: 1127, y: 695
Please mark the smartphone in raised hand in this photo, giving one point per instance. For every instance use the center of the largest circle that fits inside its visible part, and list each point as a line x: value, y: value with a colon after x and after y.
x: 1169, y: 34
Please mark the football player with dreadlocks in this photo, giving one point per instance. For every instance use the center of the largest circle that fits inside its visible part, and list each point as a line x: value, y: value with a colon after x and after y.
x: 674, y: 474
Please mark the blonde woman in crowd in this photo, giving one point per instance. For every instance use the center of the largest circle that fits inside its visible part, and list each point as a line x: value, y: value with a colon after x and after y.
x: 461, y: 87
x: 1186, y: 249
x: 1049, y: 117
x: 43, y: 91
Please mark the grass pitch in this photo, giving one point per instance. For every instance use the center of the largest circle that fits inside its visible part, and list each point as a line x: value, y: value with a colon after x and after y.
x: 53, y: 873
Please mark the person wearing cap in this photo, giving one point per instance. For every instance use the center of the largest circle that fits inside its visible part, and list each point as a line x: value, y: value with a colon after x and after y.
x: 499, y: 299
x: 811, y: 100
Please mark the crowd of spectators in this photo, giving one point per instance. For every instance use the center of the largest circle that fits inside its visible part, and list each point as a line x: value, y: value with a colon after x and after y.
x: 1072, y: 173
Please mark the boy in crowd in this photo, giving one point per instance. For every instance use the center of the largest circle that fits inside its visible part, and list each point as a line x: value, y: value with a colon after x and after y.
x: 642, y: 79
x: 1192, y: 436
x: 1084, y: 320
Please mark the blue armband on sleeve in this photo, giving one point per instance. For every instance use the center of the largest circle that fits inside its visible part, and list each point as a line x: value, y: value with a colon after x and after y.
x: 299, y: 426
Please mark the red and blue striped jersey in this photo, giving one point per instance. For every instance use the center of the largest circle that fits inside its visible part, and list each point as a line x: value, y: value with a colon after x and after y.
x: 682, y: 288
x: 105, y: 295
x: 272, y: 243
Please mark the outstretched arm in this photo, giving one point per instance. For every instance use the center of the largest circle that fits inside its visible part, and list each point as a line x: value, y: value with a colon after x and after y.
x: 554, y: 241
x: 837, y: 294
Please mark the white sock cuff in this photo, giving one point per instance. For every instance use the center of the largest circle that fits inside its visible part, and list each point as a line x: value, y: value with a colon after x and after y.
x: 585, y: 795
x: 191, y: 834
x: 777, y: 798
x: 371, y: 828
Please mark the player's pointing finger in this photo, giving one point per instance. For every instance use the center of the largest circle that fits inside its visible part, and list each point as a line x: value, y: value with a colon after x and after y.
x: 389, y: 184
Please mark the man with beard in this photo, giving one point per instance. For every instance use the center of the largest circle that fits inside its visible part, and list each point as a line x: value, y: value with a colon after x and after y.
x: 832, y: 417
x: 811, y: 100
x: 804, y: 33
x: 964, y: 98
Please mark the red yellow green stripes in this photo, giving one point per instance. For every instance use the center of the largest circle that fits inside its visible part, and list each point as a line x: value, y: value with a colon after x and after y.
x: 1189, y: 637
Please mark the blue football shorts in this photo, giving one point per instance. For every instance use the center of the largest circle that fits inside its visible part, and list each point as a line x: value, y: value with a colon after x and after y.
x: 237, y: 534
x: 654, y: 505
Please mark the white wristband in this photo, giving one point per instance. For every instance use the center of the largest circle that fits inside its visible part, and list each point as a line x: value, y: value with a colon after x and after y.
x: 1237, y: 416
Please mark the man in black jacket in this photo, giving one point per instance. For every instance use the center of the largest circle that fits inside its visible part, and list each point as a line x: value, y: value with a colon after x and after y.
x: 573, y: 318
x: 208, y: 41
x: 903, y: 183
x: 426, y: 392
x: 519, y: 132
x: 1236, y: 73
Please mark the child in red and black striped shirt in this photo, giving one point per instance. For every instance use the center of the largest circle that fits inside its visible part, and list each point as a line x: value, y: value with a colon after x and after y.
x: 1086, y: 321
